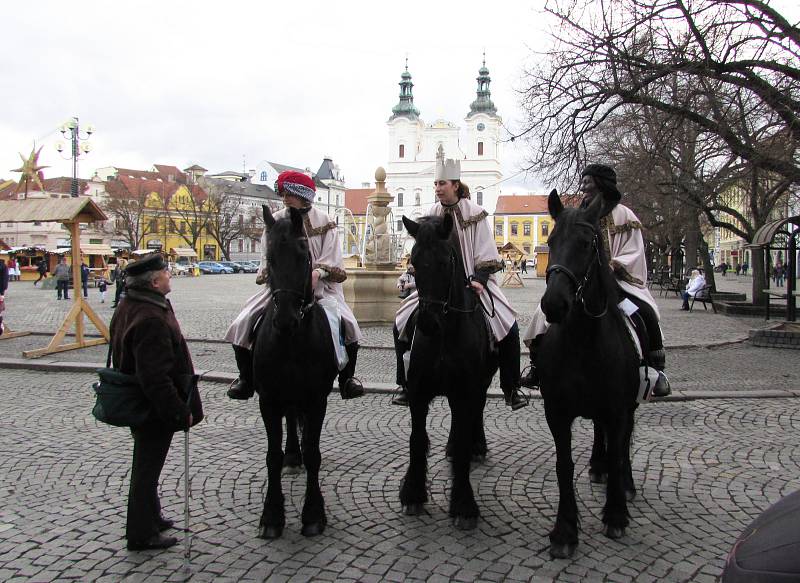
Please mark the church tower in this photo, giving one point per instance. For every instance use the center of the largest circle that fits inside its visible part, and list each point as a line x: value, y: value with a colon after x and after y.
x: 405, y: 126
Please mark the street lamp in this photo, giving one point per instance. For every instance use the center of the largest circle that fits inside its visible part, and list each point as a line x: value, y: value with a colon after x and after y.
x: 71, y: 131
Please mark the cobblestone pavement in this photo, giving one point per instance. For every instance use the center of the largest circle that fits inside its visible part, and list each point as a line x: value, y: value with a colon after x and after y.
x: 704, y: 469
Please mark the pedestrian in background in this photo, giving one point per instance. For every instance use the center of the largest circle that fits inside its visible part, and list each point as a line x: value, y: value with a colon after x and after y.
x: 119, y: 280
x: 13, y: 269
x: 62, y: 274
x: 146, y: 341
x: 3, y: 288
x: 779, y: 274
x: 41, y: 269
x: 102, y: 286
x: 744, y: 268
x: 85, y: 279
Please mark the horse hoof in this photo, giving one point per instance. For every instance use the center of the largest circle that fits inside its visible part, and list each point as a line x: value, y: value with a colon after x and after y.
x: 291, y: 470
x: 413, y: 509
x: 562, y: 551
x: 313, y: 529
x: 270, y: 532
x: 478, y: 458
x: 465, y: 522
x: 614, y: 532
x: 597, y: 477
x: 630, y: 495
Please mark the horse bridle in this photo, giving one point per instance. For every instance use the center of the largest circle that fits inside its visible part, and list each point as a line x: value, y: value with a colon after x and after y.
x: 305, y: 307
x: 446, y: 304
x: 581, y: 285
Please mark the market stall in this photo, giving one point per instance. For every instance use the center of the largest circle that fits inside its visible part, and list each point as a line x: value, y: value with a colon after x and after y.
x: 71, y: 212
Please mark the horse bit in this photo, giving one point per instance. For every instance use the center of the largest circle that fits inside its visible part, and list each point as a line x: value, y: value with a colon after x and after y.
x: 581, y: 285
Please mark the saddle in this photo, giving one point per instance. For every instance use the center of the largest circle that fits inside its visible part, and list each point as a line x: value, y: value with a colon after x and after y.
x: 637, y: 332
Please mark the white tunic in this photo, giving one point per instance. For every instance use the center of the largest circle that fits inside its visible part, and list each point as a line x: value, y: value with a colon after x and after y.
x: 326, y: 253
x: 478, y: 251
x: 625, y: 246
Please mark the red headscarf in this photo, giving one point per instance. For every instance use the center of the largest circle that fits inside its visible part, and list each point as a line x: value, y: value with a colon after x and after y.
x: 295, y: 177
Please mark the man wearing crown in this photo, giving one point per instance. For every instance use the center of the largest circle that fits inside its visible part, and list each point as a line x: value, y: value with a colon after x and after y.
x: 481, y: 261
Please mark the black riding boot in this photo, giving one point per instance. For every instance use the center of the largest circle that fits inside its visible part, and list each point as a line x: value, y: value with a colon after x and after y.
x: 349, y: 386
x: 242, y: 388
x: 530, y: 380
x: 400, y: 348
x: 509, y: 369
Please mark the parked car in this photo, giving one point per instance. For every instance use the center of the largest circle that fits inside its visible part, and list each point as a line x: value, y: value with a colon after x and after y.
x: 213, y: 267
x: 233, y: 265
x: 248, y: 266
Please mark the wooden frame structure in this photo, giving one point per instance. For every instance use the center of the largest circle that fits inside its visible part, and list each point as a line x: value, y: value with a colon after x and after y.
x: 70, y: 212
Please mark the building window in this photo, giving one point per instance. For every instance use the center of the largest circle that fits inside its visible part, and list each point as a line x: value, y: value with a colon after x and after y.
x: 479, y: 198
x: 252, y: 246
x: 337, y: 199
x: 513, y: 229
x: 498, y: 229
x: 400, y: 226
x: 527, y: 248
x: 153, y: 225
x: 545, y: 229
x: 353, y: 230
x: 402, y: 152
x: 480, y: 148
x: 399, y: 199
x: 241, y: 245
x: 263, y: 176
x: 417, y: 197
x: 526, y: 229
x: 182, y: 228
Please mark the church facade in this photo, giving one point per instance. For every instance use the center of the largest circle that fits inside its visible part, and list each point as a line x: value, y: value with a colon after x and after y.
x: 414, y: 146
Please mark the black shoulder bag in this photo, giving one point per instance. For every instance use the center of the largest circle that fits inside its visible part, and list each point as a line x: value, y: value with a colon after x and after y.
x: 120, y: 399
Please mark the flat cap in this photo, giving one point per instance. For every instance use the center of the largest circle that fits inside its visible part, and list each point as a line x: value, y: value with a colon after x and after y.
x: 150, y: 262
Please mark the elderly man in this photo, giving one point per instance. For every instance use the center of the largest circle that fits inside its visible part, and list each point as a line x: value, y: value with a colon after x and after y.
x: 626, y: 251
x: 147, y: 342
x: 297, y: 190
x: 62, y: 275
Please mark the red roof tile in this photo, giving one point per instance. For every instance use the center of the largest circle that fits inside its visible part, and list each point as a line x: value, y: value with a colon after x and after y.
x: 521, y: 204
x: 58, y: 185
x: 356, y: 200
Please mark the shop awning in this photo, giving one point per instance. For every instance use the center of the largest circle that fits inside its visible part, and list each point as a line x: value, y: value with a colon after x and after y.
x: 183, y: 252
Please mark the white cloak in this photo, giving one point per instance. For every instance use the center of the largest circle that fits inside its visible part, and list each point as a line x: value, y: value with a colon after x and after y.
x: 478, y: 251
x: 326, y: 253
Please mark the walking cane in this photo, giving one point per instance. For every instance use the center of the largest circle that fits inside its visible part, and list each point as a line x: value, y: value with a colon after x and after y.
x: 187, y: 550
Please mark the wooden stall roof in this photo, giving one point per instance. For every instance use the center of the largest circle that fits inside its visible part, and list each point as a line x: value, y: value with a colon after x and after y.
x: 63, y: 210
x: 183, y: 252
x: 510, y: 248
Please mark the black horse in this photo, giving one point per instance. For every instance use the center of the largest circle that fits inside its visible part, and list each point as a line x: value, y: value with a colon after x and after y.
x: 294, y: 369
x: 450, y: 356
x: 587, y: 365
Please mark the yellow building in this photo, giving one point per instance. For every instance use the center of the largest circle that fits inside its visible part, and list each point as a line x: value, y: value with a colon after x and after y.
x: 522, y: 220
x: 173, y: 212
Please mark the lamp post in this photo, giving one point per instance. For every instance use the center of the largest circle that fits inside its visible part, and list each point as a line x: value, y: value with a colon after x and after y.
x: 71, y: 130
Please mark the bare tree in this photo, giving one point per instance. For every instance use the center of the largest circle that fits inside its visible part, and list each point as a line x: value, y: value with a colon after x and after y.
x: 194, y: 213
x: 130, y: 216
x: 718, y: 54
x: 228, y: 219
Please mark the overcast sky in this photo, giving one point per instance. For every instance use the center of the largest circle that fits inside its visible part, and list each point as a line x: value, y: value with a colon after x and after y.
x: 211, y: 82
x: 221, y: 83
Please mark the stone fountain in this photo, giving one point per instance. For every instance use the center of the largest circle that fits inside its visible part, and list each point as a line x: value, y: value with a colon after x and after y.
x: 371, y: 290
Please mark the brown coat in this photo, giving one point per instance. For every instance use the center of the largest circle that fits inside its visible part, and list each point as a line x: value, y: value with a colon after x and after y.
x: 147, y: 342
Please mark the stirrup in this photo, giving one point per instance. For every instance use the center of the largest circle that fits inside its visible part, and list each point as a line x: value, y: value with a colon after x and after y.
x: 401, y: 396
x: 529, y: 378
x: 351, y: 388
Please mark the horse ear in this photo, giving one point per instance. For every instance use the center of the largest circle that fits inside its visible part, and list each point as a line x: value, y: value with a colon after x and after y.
x: 297, y: 220
x: 411, y: 226
x: 269, y: 220
x: 554, y: 205
x: 445, y: 227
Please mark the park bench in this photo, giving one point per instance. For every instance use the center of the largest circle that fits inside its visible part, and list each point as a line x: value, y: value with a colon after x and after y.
x: 704, y: 297
x: 768, y: 295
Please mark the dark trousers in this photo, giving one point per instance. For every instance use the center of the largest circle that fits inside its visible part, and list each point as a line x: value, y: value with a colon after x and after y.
x: 85, y: 286
x: 650, y: 322
x: 41, y: 277
x: 509, y: 355
x: 149, y: 454
x: 350, y: 368
x: 118, y: 291
x: 62, y: 286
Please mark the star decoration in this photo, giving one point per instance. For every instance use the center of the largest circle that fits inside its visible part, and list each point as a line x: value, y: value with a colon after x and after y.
x: 31, y: 171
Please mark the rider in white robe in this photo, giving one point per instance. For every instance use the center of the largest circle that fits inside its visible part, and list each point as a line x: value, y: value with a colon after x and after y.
x: 624, y: 245
x: 481, y: 260
x: 327, y: 277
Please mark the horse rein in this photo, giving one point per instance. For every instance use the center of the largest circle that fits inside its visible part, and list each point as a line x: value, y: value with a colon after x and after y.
x: 581, y: 285
x: 446, y: 305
